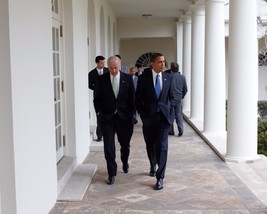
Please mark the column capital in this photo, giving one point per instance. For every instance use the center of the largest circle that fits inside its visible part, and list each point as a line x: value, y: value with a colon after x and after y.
x: 215, y: 1
x: 181, y: 19
x: 200, y: 2
x: 198, y: 9
x: 180, y: 22
x: 187, y: 17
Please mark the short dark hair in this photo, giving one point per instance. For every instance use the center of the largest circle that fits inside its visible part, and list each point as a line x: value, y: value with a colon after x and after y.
x: 99, y: 58
x: 117, y: 55
x: 154, y: 56
x: 174, y: 67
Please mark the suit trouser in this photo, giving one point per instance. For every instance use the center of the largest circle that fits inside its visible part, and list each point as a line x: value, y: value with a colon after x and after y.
x: 124, y: 130
x: 156, y: 139
x: 99, y: 133
x: 178, y: 117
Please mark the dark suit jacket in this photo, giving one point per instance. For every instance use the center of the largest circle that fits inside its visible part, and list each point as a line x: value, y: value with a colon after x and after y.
x: 179, y: 86
x: 93, y: 76
x: 105, y: 102
x: 146, y: 101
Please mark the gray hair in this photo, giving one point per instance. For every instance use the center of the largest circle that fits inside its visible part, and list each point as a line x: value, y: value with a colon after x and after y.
x: 114, y: 58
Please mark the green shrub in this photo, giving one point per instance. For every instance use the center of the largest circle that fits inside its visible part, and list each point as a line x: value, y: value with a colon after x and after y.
x: 262, y: 108
x: 262, y: 127
x: 262, y: 136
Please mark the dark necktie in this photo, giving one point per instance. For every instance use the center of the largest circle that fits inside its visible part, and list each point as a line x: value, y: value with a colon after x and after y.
x: 157, y: 86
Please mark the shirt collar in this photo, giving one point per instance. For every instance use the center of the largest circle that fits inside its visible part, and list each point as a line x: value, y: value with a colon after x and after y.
x: 118, y: 76
x: 155, y: 74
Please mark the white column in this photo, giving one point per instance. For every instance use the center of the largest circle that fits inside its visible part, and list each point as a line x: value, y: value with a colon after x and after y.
x: 28, y: 173
x: 197, y: 75
x: 7, y: 159
x: 187, y: 60
x: 179, y: 33
x: 243, y: 82
x: 214, y: 104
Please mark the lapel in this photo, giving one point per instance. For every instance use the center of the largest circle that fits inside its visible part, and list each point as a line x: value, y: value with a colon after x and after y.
x: 151, y: 83
x: 108, y: 87
x: 164, y: 81
x: 122, y: 82
x: 105, y: 70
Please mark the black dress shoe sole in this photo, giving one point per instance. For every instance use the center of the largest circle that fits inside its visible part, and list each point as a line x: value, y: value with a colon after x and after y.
x: 125, y: 168
x: 152, y: 171
x: 152, y: 174
x: 159, y: 185
x: 111, y: 181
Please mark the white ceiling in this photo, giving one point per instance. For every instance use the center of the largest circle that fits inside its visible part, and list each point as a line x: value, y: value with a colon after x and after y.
x: 174, y: 9
x: 158, y: 8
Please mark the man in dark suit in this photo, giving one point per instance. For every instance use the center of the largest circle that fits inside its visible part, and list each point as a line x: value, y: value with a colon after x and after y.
x: 114, y: 105
x: 123, y: 68
x: 92, y: 80
x: 154, y: 103
x: 179, y: 90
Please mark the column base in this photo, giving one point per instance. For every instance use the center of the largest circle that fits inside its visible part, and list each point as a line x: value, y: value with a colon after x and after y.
x: 238, y: 160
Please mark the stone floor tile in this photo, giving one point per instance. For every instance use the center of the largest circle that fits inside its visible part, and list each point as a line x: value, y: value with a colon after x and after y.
x: 197, y: 181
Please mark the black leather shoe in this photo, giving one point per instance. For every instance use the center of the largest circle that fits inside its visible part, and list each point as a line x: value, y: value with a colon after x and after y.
x: 152, y: 171
x: 125, y: 168
x: 159, y: 184
x: 180, y: 133
x: 98, y: 139
x: 111, y: 180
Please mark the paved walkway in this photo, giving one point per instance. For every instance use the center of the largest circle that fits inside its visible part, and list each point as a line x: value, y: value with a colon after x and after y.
x: 197, y: 182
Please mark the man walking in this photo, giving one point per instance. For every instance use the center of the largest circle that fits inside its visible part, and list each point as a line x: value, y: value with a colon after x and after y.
x: 114, y: 105
x: 154, y: 103
x: 92, y: 80
x: 179, y: 90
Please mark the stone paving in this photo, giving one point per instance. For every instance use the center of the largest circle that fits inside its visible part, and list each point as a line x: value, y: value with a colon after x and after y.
x: 197, y: 182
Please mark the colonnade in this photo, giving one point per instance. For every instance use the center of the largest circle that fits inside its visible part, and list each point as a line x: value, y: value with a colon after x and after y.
x: 202, y: 59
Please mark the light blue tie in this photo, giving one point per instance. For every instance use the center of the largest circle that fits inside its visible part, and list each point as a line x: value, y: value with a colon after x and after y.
x: 157, y: 86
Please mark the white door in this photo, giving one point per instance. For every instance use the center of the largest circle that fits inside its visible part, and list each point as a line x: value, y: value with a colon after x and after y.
x: 58, y: 80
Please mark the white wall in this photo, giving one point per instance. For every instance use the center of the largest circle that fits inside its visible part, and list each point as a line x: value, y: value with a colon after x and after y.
x: 0, y: 202
x: 146, y: 28
x: 80, y: 55
x: 139, y: 36
x: 69, y: 77
x: 76, y: 70
x: 7, y: 181
x: 132, y: 49
x: 107, y: 12
x: 32, y: 107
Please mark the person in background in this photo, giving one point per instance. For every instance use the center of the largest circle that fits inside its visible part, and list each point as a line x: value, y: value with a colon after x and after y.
x: 133, y: 72
x: 139, y: 70
x: 92, y: 80
x: 179, y: 90
x: 154, y: 103
x: 123, y: 68
x: 114, y: 105
x: 135, y: 79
